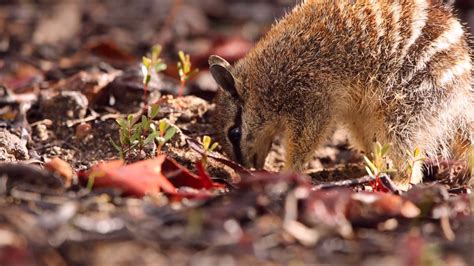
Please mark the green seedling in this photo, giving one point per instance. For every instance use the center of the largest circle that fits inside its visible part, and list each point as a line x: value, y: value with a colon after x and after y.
x: 185, y: 71
x: 379, y: 164
x: 164, y: 133
x: 149, y: 64
x: 126, y: 136
x: 208, y: 147
x: 137, y: 134
x: 414, y: 158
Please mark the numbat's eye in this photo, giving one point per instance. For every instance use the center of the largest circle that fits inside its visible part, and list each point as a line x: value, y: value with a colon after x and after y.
x: 235, y: 133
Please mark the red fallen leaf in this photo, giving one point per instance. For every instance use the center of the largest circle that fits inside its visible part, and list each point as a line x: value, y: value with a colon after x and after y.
x: 151, y: 175
x: 135, y: 179
x: 203, y: 175
x: 180, y: 176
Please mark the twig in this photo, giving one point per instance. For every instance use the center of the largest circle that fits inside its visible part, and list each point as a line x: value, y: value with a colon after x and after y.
x: 74, y: 122
x: 193, y: 144
x: 345, y: 183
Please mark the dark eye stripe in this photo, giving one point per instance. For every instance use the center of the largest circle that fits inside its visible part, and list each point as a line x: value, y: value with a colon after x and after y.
x: 236, y: 146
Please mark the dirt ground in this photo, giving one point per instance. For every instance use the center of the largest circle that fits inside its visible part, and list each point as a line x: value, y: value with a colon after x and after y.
x: 70, y: 69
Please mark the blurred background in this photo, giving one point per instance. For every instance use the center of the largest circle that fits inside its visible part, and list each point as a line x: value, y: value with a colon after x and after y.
x: 47, y: 34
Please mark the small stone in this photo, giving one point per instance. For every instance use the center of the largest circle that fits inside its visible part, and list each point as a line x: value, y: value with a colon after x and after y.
x: 12, y: 148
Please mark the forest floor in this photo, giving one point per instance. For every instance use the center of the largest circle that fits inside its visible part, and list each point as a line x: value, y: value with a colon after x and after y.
x: 70, y: 70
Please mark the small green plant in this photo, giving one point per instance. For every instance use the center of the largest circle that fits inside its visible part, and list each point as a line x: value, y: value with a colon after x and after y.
x: 185, y: 71
x: 206, y: 144
x: 379, y: 164
x: 137, y: 134
x: 414, y: 158
x: 126, y: 136
x: 150, y: 64
x: 164, y: 133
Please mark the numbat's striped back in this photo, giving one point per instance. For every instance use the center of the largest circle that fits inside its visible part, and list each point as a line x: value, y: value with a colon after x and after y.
x: 397, y: 71
x: 404, y: 37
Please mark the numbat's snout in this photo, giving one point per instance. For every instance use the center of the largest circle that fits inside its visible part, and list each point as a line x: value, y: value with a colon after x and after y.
x: 397, y: 71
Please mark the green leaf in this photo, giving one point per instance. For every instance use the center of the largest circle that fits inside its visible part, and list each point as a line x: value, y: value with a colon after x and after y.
x: 181, y: 56
x: 371, y: 165
x: 368, y: 171
x: 160, y: 67
x: 145, y: 122
x: 213, y: 146
x: 155, y: 51
x: 180, y: 70
x: 385, y: 149
x: 117, y: 147
x: 136, y: 135
x: 151, y: 137
x: 170, y: 133
x: 121, y: 122
x: 124, y: 138
x: 186, y: 67
x: 153, y: 110
x: 163, y: 126
x: 416, y: 153
x: 206, y: 141
x: 146, y: 62
x: 130, y: 120
x: 378, y: 148
x: 136, y: 127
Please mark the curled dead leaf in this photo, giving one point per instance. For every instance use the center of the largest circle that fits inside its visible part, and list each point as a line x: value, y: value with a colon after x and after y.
x: 62, y: 169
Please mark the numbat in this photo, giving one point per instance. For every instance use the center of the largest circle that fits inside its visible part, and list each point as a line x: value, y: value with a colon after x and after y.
x: 394, y: 71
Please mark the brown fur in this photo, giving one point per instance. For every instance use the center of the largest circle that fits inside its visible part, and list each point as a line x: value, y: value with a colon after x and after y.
x: 351, y: 63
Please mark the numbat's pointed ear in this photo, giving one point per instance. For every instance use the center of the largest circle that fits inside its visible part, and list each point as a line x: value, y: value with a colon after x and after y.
x: 221, y: 71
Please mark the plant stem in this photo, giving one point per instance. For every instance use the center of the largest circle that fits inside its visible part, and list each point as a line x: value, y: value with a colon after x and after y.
x: 129, y: 143
x: 158, y: 149
x: 181, y: 87
x: 145, y: 96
